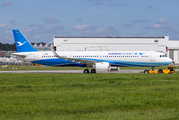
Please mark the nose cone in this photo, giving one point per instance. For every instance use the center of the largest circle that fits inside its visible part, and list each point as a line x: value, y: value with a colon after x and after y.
x: 169, y: 60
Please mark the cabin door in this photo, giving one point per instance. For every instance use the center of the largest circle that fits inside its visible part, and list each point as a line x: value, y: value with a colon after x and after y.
x: 152, y: 56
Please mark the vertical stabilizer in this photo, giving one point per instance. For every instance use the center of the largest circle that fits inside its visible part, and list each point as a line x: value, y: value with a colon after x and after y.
x: 22, y: 44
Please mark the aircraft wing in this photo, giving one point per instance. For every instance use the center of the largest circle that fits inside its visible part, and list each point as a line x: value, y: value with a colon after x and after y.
x: 82, y: 61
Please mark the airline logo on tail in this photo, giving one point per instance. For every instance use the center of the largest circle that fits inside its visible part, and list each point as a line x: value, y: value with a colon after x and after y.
x: 20, y: 44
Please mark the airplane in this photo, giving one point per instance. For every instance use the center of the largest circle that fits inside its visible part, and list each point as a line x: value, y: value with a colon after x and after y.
x: 97, y: 60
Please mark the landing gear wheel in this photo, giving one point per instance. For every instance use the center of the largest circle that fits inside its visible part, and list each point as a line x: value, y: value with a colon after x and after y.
x: 86, y: 71
x: 160, y: 71
x: 146, y: 71
x: 93, y: 71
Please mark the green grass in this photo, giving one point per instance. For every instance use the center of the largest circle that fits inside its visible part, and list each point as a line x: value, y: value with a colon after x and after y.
x: 89, y: 96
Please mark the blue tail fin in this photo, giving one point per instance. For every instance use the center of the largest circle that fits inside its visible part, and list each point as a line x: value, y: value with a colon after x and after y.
x: 22, y: 44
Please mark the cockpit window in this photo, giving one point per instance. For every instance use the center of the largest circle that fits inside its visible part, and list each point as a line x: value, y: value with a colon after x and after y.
x: 163, y: 55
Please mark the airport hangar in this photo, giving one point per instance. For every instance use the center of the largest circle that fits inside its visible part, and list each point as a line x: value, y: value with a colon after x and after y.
x: 112, y: 43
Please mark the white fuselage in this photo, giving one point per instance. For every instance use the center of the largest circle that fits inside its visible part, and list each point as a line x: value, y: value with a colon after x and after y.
x: 115, y: 58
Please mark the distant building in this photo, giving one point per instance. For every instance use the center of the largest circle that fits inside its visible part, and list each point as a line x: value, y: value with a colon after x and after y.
x: 173, y: 50
x: 112, y: 43
x: 2, y: 53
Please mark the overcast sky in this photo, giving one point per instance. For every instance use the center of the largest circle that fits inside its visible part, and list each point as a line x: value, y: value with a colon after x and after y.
x: 41, y: 20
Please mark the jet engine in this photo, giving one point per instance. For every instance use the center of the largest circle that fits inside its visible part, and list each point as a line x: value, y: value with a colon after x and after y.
x: 114, y: 68
x: 102, y: 66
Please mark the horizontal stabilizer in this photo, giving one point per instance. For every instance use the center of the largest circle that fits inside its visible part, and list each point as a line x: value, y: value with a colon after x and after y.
x: 16, y: 55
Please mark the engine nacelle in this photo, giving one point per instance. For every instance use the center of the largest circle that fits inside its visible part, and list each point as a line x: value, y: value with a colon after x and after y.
x: 114, y: 68
x: 102, y: 66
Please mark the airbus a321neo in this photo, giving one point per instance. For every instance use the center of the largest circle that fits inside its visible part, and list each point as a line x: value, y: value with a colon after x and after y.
x: 97, y: 60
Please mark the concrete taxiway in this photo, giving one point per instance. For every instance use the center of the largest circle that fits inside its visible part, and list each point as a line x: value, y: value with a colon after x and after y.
x: 70, y: 71
x: 67, y: 71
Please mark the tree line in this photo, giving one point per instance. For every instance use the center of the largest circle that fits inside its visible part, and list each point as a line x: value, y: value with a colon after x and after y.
x: 7, y: 47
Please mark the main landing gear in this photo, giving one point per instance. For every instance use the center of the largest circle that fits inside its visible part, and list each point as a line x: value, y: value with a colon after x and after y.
x: 87, y: 71
x: 93, y: 71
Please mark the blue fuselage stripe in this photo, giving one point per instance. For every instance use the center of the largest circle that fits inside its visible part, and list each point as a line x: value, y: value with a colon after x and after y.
x: 63, y: 62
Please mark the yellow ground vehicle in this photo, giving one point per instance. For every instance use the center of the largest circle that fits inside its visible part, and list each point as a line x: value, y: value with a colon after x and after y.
x: 170, y: 69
